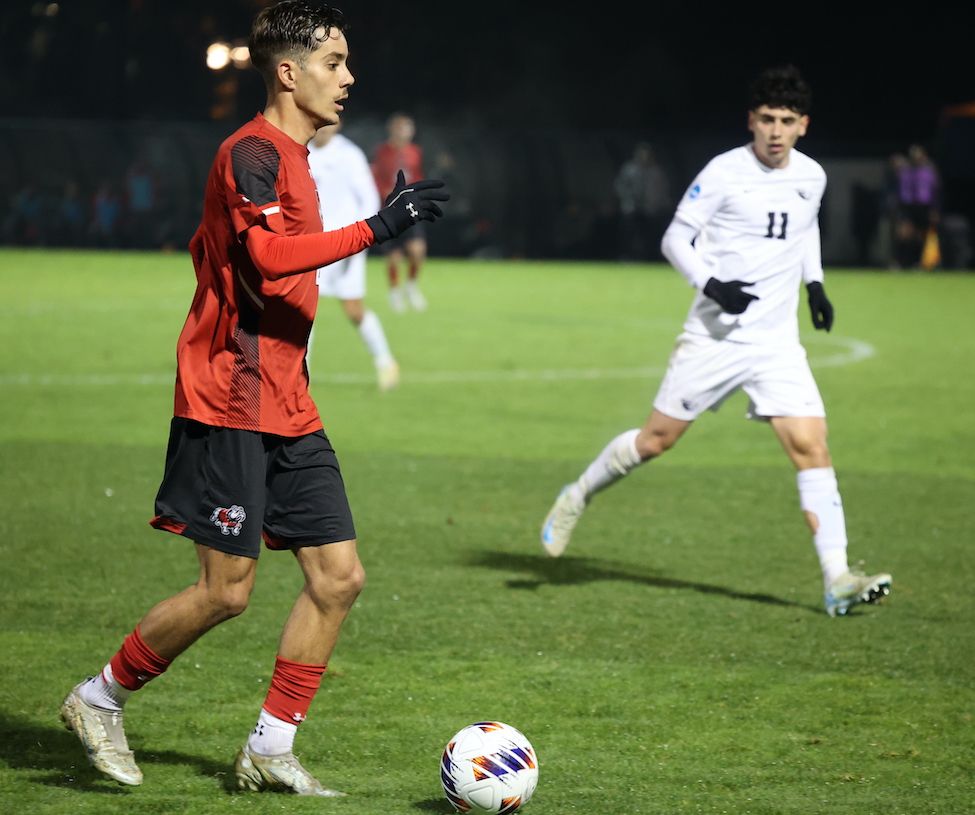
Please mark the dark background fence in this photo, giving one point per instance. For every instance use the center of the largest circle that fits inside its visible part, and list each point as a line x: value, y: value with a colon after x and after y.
x: 517, y: 192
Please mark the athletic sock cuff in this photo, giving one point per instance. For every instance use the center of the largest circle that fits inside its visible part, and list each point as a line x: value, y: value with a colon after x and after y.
x: 135, y: 663
x: 293, y: 686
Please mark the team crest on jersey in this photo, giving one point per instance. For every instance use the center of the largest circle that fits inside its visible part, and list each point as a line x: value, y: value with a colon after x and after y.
x: 230, y: 521
x: 694, y: 191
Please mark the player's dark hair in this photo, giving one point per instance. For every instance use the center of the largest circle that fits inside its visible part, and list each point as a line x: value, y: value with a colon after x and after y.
x: 781, y: 87
x: 290, y: 28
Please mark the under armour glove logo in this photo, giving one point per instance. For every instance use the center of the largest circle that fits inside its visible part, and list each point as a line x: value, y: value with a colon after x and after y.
x: 406, y: 205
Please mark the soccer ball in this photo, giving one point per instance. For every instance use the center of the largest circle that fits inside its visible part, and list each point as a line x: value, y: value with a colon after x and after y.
x: 489, y: 767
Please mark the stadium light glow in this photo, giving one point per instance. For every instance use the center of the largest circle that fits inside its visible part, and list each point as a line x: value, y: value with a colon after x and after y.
x: 241, y: 56
x: 218, y: 56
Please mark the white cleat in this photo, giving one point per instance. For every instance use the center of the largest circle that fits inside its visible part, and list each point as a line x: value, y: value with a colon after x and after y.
x: 852, y: 588
x: 397, y: 299
x: 256, y: 773
x: 417, y: 301
x: 103, y: 738
x: 561, y: 520
x: 388, y: 376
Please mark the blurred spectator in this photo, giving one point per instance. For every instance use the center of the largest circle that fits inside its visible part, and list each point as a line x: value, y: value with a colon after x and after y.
x: 23, y: 223
x: 918, y: 207
x: 896, y: 167
x: 106, y: 215
x: 140, y: 206
x: 644, y: 204
x: 69, y: 226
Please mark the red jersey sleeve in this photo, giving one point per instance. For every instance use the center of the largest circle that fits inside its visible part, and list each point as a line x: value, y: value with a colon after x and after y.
x: 254, y: 202
x: 252, y: 194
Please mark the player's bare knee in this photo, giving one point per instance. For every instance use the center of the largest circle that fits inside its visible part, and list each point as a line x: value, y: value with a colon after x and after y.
x: 338, y: 589
x: 229, y: 601
x: 809, y: 452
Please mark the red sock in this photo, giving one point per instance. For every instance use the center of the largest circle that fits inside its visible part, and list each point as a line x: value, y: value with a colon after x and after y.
x: 293, y: 686
x: 135, y: 663
x: 414, y: 270
x: 393, y: 274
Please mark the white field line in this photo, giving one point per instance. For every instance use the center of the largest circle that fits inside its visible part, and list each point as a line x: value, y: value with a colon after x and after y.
x: 850, y: 352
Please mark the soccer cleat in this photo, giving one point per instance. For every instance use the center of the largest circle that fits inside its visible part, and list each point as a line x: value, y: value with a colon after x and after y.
x: 397, y: 300
x: 256, y: 772
x: 103, y: 738
x: 388, y: 376
x: 415, y: 297
x: 561, y: 520
x: 851, y: 588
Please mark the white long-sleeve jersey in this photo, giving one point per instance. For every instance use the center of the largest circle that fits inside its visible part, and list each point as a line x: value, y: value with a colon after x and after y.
x: 742, y: 220
x: 346, y: 189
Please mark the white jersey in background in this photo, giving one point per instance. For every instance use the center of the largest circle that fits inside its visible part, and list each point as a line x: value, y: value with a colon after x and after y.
x: 759, y: 225
x: 346, y: 189
x: 346, y: 193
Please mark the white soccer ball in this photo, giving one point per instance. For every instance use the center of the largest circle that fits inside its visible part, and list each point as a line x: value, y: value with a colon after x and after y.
x: 489, y: 768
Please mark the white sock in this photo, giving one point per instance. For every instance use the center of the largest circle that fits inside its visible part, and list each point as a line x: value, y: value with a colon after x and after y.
x: 102, y: 691
x: 617, y: 459
x: 820, y: 495
x: 371, y: 331
x: 272, y: 736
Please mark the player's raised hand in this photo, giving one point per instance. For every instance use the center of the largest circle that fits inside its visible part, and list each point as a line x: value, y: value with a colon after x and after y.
x: 407, y: 204
x: 820, y: 306
x: 729, y: 294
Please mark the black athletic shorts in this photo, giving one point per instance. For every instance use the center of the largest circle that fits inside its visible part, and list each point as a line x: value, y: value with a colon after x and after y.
x: 226, y: 488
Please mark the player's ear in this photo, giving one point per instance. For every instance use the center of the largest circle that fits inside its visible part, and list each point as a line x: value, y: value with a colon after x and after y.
x: 287, y: 74
x: 803, y: 124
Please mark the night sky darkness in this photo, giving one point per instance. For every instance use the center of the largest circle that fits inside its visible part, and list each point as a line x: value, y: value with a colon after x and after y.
x: 876, y: 78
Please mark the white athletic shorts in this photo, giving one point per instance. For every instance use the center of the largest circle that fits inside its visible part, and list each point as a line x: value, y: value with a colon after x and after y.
x: 344, y: 279
x: 703, y: 372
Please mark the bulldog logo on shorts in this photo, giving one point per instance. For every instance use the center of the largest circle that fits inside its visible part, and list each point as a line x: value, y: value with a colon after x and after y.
x: 230, y: 520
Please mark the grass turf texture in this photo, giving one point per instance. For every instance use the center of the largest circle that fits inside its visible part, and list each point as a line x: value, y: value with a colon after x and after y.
x: 676, y: 660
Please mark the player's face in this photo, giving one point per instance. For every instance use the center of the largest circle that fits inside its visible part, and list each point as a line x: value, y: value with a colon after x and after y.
x: 402, y: 130
x: 322, y: 85
x: 775, y: 131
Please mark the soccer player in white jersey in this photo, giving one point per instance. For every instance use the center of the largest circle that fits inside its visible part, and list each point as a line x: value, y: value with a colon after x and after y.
x: 745, y: 236
x: 346, y: 193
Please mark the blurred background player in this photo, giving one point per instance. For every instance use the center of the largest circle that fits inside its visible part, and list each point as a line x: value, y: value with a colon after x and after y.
x: 643, y: 195
x: 347, y: 193
x: 745, y: 235
x: 401, y: 152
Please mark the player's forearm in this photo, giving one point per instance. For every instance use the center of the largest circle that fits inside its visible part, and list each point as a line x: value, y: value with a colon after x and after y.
x: 277, y: 256
x: 677, y: 248
x: 812, y: 258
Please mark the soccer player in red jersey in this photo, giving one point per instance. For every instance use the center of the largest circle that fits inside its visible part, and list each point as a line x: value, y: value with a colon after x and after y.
x: 248, y: 456
x: 400, y: 153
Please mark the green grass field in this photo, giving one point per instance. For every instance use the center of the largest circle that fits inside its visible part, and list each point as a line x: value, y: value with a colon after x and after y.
x: 676, y: 660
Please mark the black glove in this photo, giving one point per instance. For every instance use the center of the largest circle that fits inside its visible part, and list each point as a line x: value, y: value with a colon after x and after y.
x: 729, y: 294
x: 820, y: 306
x: 405, y: 206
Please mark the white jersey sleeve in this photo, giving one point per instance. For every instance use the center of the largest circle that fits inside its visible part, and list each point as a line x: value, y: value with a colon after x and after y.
x: 705, y: 195
x: 812, y: 261
x: 346, y: 189
x: 364, y: 183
